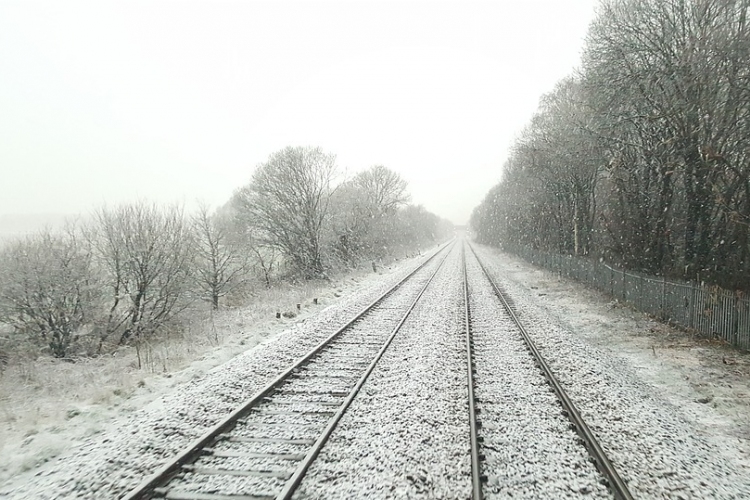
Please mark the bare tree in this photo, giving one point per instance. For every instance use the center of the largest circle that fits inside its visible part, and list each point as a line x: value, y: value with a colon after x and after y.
x: 656, y: 126
x: 265, y: 257
x: 287, y: 201
x: 146, y: 255
x: 47, y: 288
x: 383, y: 190
x: 259, y: 256
x: 349, y: 223
x: 563, y: 163
x: 547, y: 199
x: 416, y: 226
x: 363, y: 213
x: 670, y: 79
x: 219, y: 266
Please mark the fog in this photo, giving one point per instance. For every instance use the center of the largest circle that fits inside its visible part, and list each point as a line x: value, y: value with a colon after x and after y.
x: 107, y: 102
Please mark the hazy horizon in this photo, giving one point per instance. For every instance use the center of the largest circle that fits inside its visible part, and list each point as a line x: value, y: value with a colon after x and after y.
x: 177, y: 102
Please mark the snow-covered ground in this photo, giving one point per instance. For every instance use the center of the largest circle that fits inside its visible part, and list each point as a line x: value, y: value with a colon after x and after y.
x: 671, y: 411
x: 335, y: 369
x: 114, y: 459
x: 679, y: 405
x: 531, y: 451
x: 406, y: 434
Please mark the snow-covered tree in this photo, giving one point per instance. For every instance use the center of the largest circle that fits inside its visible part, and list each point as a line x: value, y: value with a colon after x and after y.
x: 286, y: 202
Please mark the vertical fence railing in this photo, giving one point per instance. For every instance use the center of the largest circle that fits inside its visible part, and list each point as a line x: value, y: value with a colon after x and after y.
x: 708, y: 310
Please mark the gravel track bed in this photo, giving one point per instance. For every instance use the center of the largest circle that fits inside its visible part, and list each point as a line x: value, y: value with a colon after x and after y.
x: 297, y: 398
x: 232, y: 447
x: 298, y: 407
x: 655, y: 448
x: 531, y: 451
x: 406, y: 433
x: 360, y: 344
x: 114, y: 462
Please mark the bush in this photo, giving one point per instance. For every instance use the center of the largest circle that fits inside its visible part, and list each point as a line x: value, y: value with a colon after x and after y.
x: 47, y: 289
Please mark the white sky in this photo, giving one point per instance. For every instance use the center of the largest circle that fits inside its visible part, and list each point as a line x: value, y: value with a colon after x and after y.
x: 105, y: 102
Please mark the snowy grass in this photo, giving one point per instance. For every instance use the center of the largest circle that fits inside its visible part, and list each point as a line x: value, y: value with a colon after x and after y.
x: 46, y: 405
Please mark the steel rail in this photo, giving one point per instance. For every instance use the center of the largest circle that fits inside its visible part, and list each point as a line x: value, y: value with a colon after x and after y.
x: 476, y: 477
x: 293, y: 482
x: 614, y: 482
x: 164, y: 474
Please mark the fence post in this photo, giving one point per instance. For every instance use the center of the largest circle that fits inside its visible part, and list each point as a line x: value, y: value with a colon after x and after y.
x: 735, y: 328
x: 624, y: 293
x: 641, y: 288
x: 663, y: 296
x: 694, y: 309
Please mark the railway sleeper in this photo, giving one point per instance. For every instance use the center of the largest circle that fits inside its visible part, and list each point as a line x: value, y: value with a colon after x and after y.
x: 213, y: 471
x: 189, y: 495
x: 266, y: 411
x: 251, y: 455
x: 245, y: 439
x: 271, y: 400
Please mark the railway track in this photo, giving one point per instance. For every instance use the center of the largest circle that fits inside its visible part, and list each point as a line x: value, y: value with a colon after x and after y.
x: 263, y: 448
x: 609, y: 476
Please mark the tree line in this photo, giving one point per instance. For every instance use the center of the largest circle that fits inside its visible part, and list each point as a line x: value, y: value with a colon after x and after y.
x: 642, y: 157
x: 125, y: 275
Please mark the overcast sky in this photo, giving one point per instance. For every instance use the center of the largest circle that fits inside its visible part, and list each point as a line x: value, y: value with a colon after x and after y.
x: 107, y: 102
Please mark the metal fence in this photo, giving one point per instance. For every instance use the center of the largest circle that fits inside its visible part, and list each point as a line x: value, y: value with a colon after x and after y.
x: 708, y: 310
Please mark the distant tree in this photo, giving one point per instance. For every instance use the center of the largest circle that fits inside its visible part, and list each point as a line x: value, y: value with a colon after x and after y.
x: 286, y: 203
x: 146, y: 255
x: 265, y: 258
x: 383, y: 190
x: 418, y: 226
x: 364, y: 211
x: 219, y: 265
x: 259, y: 255
x: 500, y: 219
x: 548, y: 195
x: 47, y: 288
x: 349, y: 223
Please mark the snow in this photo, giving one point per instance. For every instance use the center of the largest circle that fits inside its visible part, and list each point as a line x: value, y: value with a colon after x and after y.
x: 115, y: 459
x: 337, y: 367
x: 644, y: 403
x: 531, y: 450
x: 671, y: 410
x: 406, y: 433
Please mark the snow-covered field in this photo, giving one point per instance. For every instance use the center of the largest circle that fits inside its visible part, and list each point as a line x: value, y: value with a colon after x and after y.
x: 671, y: 410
